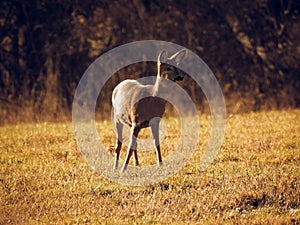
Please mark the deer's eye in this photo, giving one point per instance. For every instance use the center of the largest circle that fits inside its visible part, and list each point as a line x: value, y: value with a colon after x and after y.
x: 169, y: 69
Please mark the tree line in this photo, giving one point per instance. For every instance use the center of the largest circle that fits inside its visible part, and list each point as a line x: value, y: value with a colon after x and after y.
x: 252, y: 47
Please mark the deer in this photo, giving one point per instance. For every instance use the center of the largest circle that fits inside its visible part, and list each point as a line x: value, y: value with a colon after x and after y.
x: 138, y: 106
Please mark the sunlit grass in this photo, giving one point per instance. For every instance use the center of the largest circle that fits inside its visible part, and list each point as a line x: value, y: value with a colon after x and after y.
x: 253, y: 180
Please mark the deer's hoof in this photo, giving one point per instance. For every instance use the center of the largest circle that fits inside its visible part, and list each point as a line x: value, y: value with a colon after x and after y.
x: 124, y: 168
x: 116, y: 165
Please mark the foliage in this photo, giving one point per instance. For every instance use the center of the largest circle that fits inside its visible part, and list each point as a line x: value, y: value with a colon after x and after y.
x: 45, y: 47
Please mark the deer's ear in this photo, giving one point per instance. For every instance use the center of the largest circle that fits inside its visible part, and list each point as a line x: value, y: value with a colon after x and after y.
x: 162, y: 57
x: 178, y: 56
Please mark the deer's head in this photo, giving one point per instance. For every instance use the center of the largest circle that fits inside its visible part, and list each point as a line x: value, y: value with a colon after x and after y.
x: 166, y: 68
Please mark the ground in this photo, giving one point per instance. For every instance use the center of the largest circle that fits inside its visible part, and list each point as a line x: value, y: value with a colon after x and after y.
x: 44, y: 178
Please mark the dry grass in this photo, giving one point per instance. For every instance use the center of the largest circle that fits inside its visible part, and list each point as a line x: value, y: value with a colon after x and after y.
x: 254, y: 179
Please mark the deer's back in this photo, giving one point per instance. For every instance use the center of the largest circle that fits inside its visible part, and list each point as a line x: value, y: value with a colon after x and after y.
x: 133, y: 103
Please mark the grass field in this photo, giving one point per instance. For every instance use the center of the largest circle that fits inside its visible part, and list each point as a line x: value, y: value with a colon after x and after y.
x: 255, y: 178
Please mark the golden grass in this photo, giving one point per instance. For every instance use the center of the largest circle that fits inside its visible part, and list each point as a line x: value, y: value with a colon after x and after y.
x: 253, y: 180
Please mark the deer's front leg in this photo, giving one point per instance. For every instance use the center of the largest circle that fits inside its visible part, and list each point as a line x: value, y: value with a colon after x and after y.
x: 154, y: 124
x: 119, y: 128
x: 132, y: 146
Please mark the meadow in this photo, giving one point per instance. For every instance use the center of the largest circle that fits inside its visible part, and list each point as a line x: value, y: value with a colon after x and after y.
x: 255, y: 178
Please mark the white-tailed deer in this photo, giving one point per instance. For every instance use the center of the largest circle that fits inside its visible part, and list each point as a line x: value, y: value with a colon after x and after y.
x: 138, y: 106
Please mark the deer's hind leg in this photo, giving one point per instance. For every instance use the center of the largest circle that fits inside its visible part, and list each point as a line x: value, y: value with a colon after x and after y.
x: 132, y: 147
x: 119, y: 128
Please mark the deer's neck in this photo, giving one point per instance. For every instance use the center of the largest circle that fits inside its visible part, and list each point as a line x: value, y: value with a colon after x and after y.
x: 157, y: 84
